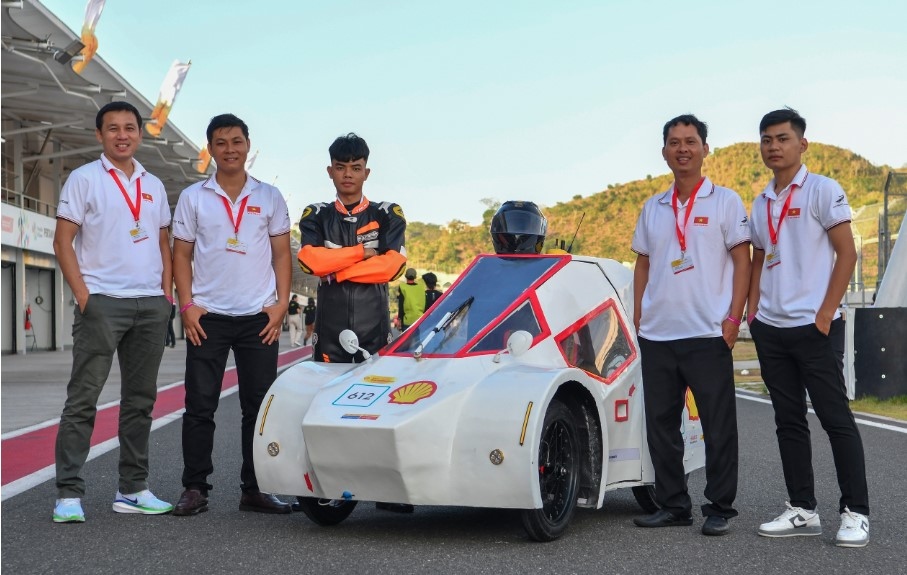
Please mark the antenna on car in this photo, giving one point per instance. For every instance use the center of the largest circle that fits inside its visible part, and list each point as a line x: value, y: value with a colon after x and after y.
x: 570, y: 249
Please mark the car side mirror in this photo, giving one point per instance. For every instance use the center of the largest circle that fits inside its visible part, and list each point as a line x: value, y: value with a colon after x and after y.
x: 349, y: 341
x: 519, y: 342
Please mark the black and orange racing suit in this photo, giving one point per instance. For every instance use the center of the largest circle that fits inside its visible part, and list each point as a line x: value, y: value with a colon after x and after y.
x: 353, y: 290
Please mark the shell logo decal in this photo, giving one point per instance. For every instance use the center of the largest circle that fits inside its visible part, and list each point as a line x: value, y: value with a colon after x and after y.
x: 413, y: 392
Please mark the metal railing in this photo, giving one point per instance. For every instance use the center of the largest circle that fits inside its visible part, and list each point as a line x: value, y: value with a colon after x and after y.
x: 28, y: 203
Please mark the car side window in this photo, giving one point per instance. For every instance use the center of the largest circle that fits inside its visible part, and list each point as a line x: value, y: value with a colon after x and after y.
x: 599, y: 345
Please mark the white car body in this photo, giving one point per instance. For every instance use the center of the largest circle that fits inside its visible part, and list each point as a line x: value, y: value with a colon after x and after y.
x: 462, y: 424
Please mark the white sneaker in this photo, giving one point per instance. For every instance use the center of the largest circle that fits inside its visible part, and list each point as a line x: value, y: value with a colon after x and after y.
x: 69, y: 510
x: 854, y: 530
x: 793, y: 522
x: 143, y: 502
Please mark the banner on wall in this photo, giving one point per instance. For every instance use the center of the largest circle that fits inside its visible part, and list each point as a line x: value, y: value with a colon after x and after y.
x: 27, y: 230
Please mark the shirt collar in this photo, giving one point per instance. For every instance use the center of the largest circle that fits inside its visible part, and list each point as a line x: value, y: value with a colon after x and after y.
x: 248, y: 187
x: 799, y: 180
x: 138, y: 172
x: 705, y: 190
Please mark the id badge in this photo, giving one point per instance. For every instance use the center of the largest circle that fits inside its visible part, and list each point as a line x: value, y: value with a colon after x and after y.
x: 681, y: 265
x: 236, y: 246
x: 137, y: 234
x: 772, y: 259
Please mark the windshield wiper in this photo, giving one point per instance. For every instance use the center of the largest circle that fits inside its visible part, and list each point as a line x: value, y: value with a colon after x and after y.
x: 449, y: 318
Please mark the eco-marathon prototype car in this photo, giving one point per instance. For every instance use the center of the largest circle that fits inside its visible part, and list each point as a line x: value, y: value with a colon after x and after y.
x: 520, y: 388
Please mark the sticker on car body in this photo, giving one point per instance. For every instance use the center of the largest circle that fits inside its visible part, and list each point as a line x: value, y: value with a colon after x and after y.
x: 361, y: 395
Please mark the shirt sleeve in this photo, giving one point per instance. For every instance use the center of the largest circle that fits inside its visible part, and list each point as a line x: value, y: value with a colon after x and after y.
x: 279, y: 222
x: 185, y: 221
x: 755, y: 238
x: 164, y: 208
x: 830, y: 206
x: 74, y: 202
x: 640, y: 243
x: 736, y: 223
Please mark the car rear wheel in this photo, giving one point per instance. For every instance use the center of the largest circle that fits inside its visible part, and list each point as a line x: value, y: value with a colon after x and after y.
x: 645, y: 496
x: 326, y: 512
x: 559, y: 469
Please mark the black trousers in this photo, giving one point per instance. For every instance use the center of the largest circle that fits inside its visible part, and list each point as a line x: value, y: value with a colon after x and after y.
x: 256, y: 370
x: 706, y: 366
x: 795, y: 361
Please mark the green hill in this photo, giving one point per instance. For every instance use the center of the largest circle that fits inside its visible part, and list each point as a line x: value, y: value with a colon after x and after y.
x: 610, y: 215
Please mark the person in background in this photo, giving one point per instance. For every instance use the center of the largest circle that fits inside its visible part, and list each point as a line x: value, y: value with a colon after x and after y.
x: 294, y: 319
x: 410, y: 301
x: 309, y: 318
x: 232, y: 266
x: 113, y: 246
x: 803, y: 258
x: 690, y: 281
x: 356, y: 247
x: 171, y: 335
x: 432, y: 293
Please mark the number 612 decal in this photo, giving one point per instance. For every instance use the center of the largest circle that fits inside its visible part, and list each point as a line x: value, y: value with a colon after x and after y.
x: 361, y: 395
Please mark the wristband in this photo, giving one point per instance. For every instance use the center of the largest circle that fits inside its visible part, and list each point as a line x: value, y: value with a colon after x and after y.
x: 751, y: 317
x: 187, y: 306
x: 734, y: 320
x: 169, y: 298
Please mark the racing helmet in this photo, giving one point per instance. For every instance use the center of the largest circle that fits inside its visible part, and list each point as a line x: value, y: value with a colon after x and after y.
x: 518, y: 228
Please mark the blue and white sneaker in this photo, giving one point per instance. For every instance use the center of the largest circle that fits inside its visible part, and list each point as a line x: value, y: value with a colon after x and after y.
x: 854, y: 531
x: 69, y: 510
x: 143, y: 502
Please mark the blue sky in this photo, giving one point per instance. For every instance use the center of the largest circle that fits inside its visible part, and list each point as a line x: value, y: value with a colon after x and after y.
x: 540, y: 101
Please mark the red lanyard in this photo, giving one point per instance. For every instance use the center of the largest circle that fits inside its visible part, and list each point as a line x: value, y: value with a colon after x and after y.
x: 772, y: 232
x: 681, y: 234
x: 242, y: 210
x: 137, y: 208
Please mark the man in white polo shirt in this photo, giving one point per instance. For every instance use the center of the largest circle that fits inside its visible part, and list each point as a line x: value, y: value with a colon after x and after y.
x: 690, y: 282
x: 236, y: 230
x: 113, y: 248
x: 802, y: 262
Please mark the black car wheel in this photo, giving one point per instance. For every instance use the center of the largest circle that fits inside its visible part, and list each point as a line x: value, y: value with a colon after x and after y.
x: 558, y: 468
x: 326, y: 512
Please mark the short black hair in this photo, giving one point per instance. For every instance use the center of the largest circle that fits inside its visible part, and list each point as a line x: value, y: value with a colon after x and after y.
x: 787, y: 114
x: 226, y: 121
x: 686, y: 120
x: 117, y: 107
x: 348, y: 148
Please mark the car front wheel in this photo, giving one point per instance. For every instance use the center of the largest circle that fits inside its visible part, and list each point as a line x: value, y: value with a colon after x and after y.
x: 558, y: 469
x: 326, y: 512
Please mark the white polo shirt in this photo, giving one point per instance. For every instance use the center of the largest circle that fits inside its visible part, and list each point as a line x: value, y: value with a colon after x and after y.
x: 110, y: 261
x: 223, y: 281
x: 694, y: 302
x: 791, y: 292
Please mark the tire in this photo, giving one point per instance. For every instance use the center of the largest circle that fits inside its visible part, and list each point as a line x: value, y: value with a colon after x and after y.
x: 326, y: 512
x: 559, y: 470
x: 645, y: 496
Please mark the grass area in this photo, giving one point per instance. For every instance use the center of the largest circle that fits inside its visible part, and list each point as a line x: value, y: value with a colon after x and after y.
x: 895, y: 407
x: 744, y: 350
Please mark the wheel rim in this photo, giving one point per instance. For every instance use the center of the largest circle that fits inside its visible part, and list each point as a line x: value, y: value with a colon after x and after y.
x: 557, y: 469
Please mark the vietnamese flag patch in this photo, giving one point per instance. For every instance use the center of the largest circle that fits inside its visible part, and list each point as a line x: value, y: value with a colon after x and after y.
x: 794, y: 212
x: 147, y: 197
x: 701, y: 221
x: 253, y: 209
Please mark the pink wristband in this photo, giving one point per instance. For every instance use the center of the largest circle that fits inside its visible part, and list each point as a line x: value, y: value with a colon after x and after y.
x: 169, y: 298
x: 751, y: 317
x: 187, y: 306
x: 734, y: 320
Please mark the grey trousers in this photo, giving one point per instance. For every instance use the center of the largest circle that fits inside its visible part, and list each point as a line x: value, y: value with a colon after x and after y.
x: 134, y: 328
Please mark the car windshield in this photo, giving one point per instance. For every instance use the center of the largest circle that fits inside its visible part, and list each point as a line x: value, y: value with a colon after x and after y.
x: 493, y: 283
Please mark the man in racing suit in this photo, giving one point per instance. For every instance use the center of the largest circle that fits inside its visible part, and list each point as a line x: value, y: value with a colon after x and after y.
x: 355, y: 246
